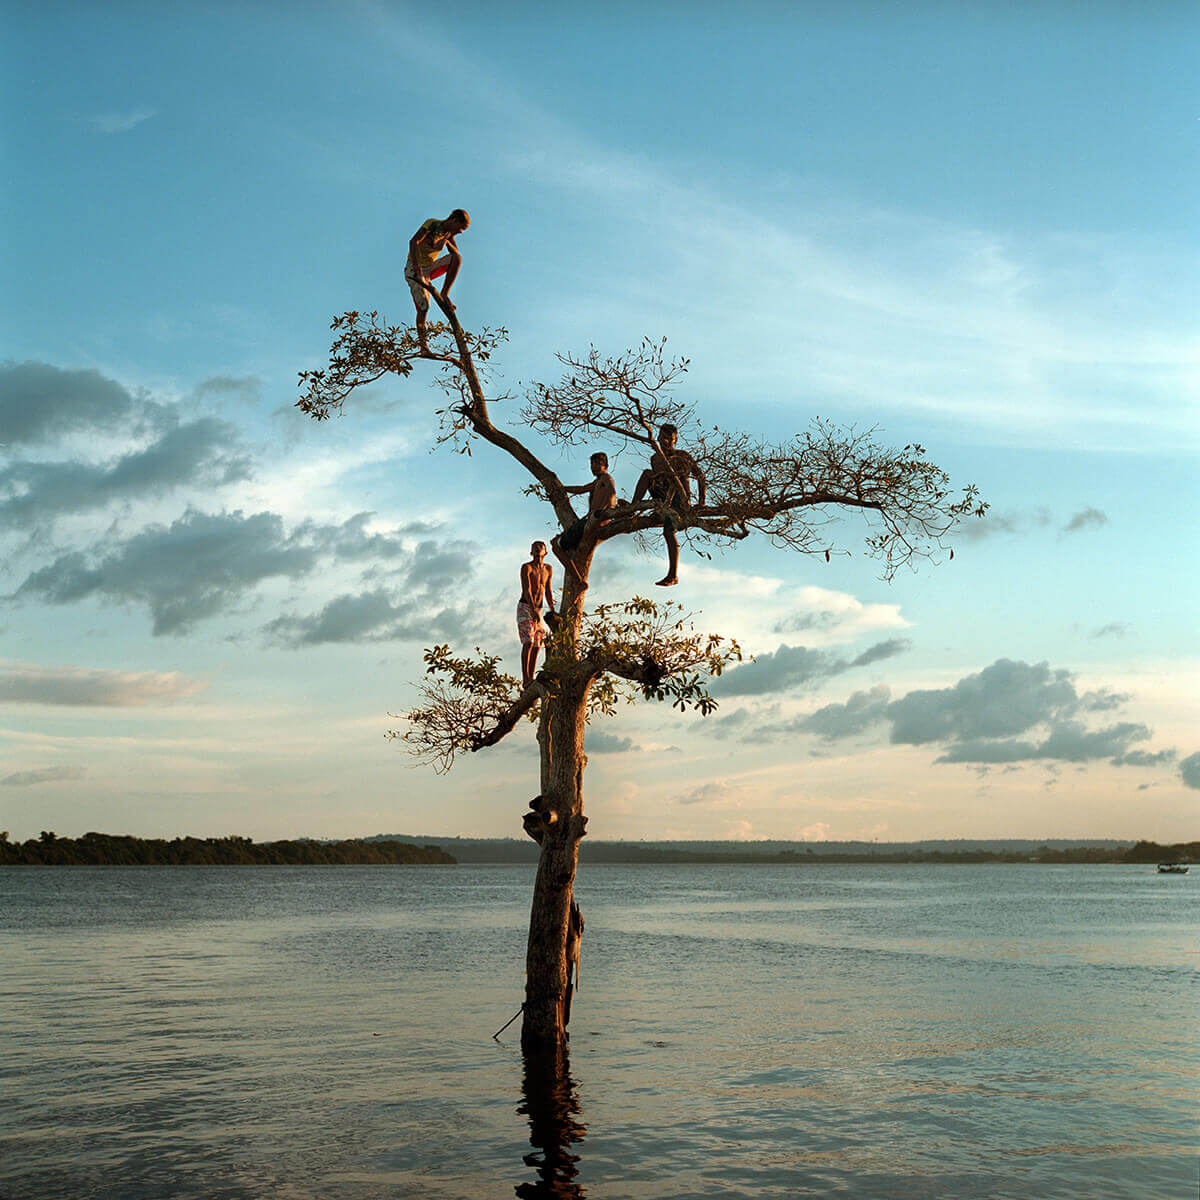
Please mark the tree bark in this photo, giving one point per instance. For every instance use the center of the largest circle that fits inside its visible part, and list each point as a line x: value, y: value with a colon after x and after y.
x: 560, y: 734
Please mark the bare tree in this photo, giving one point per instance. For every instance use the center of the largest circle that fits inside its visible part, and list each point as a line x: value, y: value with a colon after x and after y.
x: 788, y: 492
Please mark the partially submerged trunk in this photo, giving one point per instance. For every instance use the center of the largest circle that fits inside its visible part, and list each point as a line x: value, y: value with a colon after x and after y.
x: 562, y: 823
x: 557, y: 823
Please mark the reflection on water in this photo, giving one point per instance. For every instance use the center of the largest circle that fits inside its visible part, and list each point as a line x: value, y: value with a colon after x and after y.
x: 551, y: 1103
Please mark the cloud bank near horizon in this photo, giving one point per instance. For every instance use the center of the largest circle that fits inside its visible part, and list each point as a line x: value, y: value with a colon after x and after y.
x: 1010, y: 712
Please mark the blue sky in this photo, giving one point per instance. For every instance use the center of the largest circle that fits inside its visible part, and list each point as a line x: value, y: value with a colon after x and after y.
x: 971, y: 226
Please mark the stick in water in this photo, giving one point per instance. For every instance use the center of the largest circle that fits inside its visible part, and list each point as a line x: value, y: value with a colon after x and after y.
x: 496, y: 1035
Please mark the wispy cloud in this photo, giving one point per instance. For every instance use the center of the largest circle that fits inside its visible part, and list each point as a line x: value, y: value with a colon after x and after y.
x: 1014, y: 522
x: 120, y: 121
x: 599, y: 742
x: 1189, y: 770
x: 1086, y: 518
x: 1030, y: 338
x: 201, y: 453
x: 87, y: 688
x: 1009, y: 712
x: 206, y: 564
x: 797, y: 666
x: 42, y: 775
x: 1114, y: 629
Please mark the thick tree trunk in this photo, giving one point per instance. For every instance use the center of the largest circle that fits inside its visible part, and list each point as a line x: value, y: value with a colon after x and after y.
x: 560, y: 733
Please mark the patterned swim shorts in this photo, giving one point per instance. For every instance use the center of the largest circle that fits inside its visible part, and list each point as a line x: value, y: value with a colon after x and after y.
x: 529, y: 625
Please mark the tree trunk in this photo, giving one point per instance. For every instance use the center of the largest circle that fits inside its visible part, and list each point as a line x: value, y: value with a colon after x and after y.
x: 560, y: 734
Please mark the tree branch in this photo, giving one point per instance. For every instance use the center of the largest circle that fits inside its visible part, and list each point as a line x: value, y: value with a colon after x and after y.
x: 507, y: 721
x: 367, y: 348
x: 476, y: 412
x: 468, y: 704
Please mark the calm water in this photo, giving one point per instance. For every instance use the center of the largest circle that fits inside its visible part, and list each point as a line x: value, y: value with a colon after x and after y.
x: 305, y: 1033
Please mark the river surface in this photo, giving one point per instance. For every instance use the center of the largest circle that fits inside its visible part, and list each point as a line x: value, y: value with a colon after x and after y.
x: 310, y: 1033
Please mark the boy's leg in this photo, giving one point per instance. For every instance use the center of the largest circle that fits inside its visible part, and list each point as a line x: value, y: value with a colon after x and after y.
x: 446, y: 265
x: 672, y: 576
x: 420, y: 303
x: 564, y: 557
x: 451, y: 272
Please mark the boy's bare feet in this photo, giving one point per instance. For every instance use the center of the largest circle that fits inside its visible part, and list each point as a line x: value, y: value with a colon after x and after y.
x: 666, y: 581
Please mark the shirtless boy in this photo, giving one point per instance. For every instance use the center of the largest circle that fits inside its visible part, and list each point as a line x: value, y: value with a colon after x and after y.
x: 535, y: 586
x: 425, y: 265
x: 602, y: 495
x: 668, y: 480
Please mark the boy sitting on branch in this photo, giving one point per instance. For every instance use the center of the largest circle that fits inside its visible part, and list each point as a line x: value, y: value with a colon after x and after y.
x: 602, y: 496
x: 668, y: 480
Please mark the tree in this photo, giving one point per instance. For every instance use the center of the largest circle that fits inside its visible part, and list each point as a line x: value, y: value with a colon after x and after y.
x: 788, y: 492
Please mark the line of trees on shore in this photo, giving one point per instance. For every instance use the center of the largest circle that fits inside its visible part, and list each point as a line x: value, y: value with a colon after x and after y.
x: 106, y: 850
x: 103, y: 849
x: 1152, y: 852
x: 1141, y: 852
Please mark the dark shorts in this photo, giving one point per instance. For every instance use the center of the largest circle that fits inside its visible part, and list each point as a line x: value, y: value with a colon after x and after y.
x: 673, y: 498
x: 570, y: 537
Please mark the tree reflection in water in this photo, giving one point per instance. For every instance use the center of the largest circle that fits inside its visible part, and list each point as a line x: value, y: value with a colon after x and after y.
x: 552, y: 1106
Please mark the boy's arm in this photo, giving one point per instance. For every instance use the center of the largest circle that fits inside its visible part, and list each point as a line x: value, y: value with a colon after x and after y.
x: 578, y: 491
x: 643, y: 485
x: 526, y: 573
x: 549, y: 593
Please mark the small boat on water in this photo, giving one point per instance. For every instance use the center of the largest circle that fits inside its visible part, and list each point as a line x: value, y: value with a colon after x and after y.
x: 1172, y: 868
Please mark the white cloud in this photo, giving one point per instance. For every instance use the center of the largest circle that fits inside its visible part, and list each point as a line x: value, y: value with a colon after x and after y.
x: 738, y: 831
x: 716, y: 793
x: 120, y: 121
x: 826, y: 617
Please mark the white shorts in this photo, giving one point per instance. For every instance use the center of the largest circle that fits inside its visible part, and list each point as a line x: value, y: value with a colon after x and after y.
x: 419, y: 294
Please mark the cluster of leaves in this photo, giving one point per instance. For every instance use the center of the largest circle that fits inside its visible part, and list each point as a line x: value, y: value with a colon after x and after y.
x: 619, y: 399
x: 638, y: 649
x: 462, y: 700
x: 367, y: 348
x: 643, y: 649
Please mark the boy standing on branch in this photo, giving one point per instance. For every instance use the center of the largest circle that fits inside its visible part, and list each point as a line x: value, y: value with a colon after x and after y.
x: 535, y: 586
x: 425, y: 265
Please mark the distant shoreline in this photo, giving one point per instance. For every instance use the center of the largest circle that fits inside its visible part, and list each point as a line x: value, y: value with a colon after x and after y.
x: 117, y: 850
x: 100, y: 849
